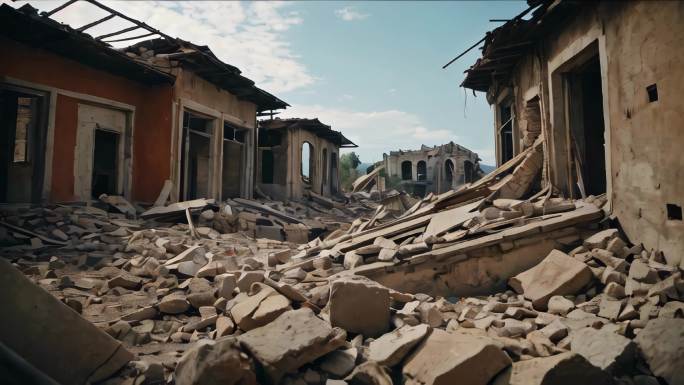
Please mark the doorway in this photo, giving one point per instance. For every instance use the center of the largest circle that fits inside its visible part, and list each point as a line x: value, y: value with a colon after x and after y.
x: 233, y: 161
x: 584, y: 114
x: 196, y: 156
x: 23, y: 123
x: 105, y: 163
x: 406, y: 170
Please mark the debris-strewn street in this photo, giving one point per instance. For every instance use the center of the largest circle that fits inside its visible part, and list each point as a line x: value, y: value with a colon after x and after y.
x: 159, y: 225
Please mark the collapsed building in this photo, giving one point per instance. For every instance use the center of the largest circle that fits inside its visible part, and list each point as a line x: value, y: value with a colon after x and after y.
x: 598, y: 83
x: 298, y: 156
x: 81, y: 118
x: 434, y: 169
x: 502, y: 281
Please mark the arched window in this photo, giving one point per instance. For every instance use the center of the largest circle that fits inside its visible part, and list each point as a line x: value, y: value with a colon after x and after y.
x: 406, y: 170
x: 307, y: 162
x: 421, y: 170
x: 468, y: 171
x: 449, y: 172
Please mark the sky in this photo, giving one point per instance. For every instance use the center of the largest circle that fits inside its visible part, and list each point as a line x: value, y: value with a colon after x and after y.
x: 369, y: 69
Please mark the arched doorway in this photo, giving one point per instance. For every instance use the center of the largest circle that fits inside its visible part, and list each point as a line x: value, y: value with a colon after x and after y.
x: 306, y: 166
x: 468, y: 171
x: 406, y: 170
x: 421, y: 169
x: 449, y: 172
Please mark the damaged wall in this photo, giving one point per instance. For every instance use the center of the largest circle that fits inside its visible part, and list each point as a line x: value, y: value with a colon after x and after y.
x: 638, y: 45
x: 76, y: 84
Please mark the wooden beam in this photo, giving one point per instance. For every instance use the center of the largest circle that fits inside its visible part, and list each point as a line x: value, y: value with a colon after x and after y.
x: 131, y: 38
x: 117, y: 32
x: 61, y: 7
x: 96, y: 22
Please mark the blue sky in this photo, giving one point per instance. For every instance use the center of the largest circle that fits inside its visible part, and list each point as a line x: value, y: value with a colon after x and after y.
x: 370, y: 69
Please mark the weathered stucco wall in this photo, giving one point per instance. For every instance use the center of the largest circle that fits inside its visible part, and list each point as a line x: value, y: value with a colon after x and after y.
x: 639, y: 44
x: 152, y: 122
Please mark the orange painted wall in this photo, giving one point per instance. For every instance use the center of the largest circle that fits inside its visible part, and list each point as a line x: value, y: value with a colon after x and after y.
x: 152, y: 125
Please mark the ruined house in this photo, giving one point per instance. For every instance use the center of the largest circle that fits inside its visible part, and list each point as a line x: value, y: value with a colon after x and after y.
x: 596, y: 83
x: 80, y: 118
x: 432, y: 169
x: 297, y: 156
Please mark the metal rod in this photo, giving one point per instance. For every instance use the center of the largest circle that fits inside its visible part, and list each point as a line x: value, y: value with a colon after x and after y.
x: 61, y: 7
x: 466, y: 51
x: 131, y: 38
x: 117, y: 32
x: 96, y: 22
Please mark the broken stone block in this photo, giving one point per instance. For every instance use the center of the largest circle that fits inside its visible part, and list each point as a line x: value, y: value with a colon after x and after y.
x: 614, y: 290
x: 672, y: 309
x: 340, y: 362
x: 352, y: 260
x: 247, y: 278
x: 661, y: 344
x: 555, y: 331
x: 430, y: 314
x: 641, y: 272
x: 561, y: 369
x: 293, y: 339
x: 226, y: 284
x: 141, y: 314
x: 359, y: 305
x: 260, y: 308
x: 666, y: 288
x: 610, y: 309
x: 392, y: 347
x: 211, y: 269
x: 454, y: 358
x: 560, y: 305
x: 224, y: 326
x: 215, y: 363
x: 557, y: 274
x: 604, y: 349
x: 600, y: 239
x: 370, y: 373
x: 127, y: 281
x: 174, y: 303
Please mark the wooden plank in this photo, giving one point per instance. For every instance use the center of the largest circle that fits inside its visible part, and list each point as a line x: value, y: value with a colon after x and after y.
x: 24, y: 231
x: 267, y: 210
x: 175, y: 208
x: 446, y: 220
x: 164, y: 194
x: 398, y: 228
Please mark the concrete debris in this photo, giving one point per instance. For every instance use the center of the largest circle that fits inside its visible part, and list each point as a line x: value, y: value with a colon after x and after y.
x: 368, y: 298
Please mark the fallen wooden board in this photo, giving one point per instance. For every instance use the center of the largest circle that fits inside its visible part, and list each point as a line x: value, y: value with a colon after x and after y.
x: 24, y: 231
x: 176, y: 208
x: 446, y: 220
x: 267, y: 210
x: 363, y: 180
x: 53, y: 337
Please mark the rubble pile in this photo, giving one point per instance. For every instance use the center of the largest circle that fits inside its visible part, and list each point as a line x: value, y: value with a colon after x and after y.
x: 472, y: 286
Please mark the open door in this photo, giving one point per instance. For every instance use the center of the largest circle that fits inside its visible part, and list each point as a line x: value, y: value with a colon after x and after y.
x: 23, y: 122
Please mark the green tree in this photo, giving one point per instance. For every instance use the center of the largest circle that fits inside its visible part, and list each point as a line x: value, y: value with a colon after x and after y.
x: 348, y: 173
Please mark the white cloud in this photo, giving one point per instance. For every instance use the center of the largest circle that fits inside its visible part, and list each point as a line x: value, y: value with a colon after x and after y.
x: 375, y: 131
x: 392, y: 91
x: 350, y: 14
x: 246, y: 35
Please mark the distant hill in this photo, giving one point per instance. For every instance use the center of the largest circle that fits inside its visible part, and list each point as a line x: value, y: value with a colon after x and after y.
x: 362, y: 167
x: 487, y: 169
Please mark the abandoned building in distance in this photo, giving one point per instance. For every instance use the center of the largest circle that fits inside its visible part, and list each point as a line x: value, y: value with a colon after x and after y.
x: 297, y: 156
x: 81, y: 118
x: 432, y: 169
x: 592, y: 88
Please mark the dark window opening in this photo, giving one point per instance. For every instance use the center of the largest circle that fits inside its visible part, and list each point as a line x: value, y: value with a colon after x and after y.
x: 506, y: 132
x: 266, y: 166
x: 421, y: 169
x: 333, y: 173
x: 406, y: 170
x: 105, y: 160
x: 652, y: 91
x: 269, y: 138
x: 232, y: 133
x: 468, y: 171
x: 449, y: 172
x: 674, y: 212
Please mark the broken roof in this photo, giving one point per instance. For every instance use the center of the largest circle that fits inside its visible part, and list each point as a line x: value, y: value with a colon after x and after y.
x: 313, y: 125
x: 506, y: 45
x: 27, y: 26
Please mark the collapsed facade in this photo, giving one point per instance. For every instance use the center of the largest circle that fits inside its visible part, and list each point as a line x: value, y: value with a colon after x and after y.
x: 297, y: 156
x: 80, y: 118
x: 596, y: 83
x: 434, y: 169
